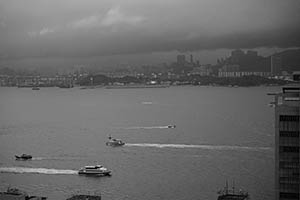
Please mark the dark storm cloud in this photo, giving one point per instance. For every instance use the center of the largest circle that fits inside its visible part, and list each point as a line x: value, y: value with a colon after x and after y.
x: 90, y: 28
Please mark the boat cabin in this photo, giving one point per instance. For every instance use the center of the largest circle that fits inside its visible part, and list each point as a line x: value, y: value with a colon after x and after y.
x: 93, y: 167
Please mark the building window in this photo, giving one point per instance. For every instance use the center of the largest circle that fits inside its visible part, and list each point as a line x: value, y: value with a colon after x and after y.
x: 291, y: 118
x: 289, y: 180
x: 289, y: 157
x: 290, y: 186
x: 289, y: 134
x: 286, y: 164
x: 289, y: 149
x: 289, y: 173
x: 289, y: 195
x: 289, y: 123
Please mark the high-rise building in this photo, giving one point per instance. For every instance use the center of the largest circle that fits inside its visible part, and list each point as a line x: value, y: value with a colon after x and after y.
x: 191, y: 59
x: 236, y: 56
x: 237, y: 53
x: 252, y: 53
x: 276, y: 65
x: 181, y: 59
x: 287, y: 143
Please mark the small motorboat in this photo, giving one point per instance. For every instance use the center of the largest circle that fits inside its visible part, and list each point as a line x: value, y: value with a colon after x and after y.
x: 171, y: 126
x: 95, y: 170
x: 23, y: 157
x: 114, y: 142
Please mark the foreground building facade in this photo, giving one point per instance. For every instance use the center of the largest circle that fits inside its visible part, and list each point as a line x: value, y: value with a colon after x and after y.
x: 287, y: 143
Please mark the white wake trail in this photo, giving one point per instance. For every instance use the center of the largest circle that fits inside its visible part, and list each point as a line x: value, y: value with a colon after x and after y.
x: 147, y: 127
x: 55, y: 158
x: 22, y: 170
x: 208, y: 147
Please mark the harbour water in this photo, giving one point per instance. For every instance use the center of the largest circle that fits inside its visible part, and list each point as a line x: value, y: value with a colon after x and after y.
x: 221, y: 134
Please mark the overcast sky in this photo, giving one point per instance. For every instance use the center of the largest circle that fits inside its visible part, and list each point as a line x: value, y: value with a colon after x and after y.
x: 89, y: 28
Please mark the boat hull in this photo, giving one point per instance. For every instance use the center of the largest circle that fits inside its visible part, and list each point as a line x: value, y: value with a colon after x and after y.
x: 106, y: 173
x: 23, y: 157
x: 171, y: 126
x: 115, y: 144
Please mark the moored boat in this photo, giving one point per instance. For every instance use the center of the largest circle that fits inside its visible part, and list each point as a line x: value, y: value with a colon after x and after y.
x: 95, y: 170
x: 35, y: 88
x: 23, y: 157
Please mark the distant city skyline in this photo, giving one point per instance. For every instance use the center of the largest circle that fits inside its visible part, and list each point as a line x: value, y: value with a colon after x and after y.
x: 204, y: 57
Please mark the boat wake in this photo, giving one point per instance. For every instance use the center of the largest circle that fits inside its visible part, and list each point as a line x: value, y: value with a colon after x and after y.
x: 147, y: 102
x: 21, y: 170
x: 55, y: 158
x: 40, y: 158
x: 146, y: 127
x: 208, y: 147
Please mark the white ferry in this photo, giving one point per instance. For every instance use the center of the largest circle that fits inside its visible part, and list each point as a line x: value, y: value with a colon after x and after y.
x: 97, y: 170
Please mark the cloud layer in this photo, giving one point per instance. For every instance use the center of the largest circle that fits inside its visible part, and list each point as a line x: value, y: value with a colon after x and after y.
x: 113, y: 17
x: 96, y: 28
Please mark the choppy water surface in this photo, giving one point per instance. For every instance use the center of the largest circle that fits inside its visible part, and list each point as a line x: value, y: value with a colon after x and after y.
x: 221, y: 134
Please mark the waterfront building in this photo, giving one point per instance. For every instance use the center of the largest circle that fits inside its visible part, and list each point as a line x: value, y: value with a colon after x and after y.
x: 287, y: 143
x: 230, y: 68
x: 201, y: 71
x: 241, y: 74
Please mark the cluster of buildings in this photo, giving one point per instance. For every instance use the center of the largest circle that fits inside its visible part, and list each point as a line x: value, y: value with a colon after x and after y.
x: 238, y: 64
x: 66, y: 81
x: 191, y: 67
